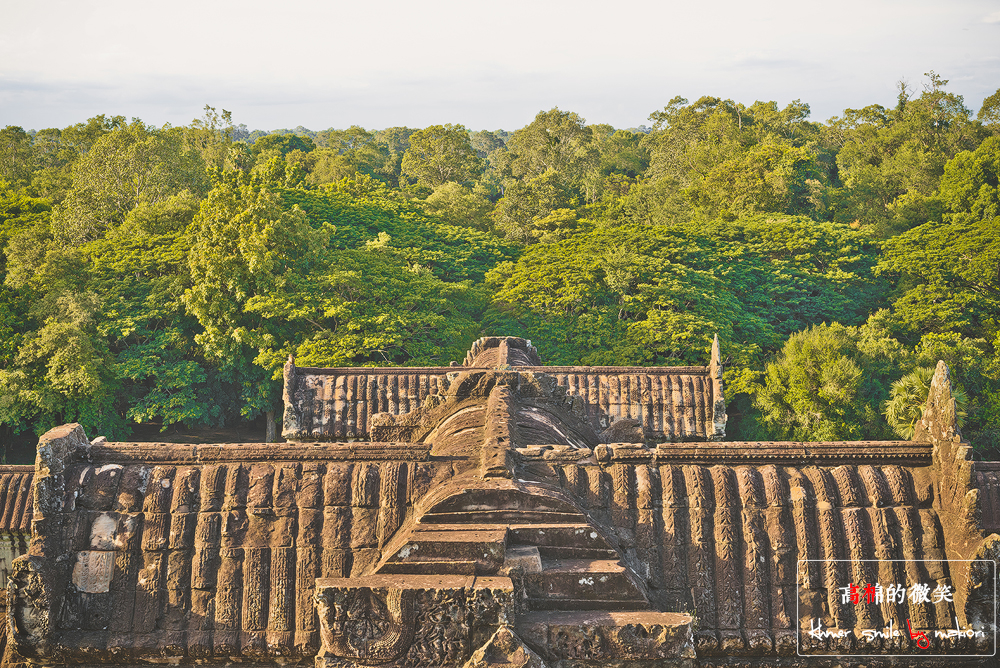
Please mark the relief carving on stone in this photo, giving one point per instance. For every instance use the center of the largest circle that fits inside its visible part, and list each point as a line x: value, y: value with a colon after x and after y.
x: 30, y: 611
x: 402, y: 621
x: 586, y: 643
x: 364, y: 625
x: 441, y: 637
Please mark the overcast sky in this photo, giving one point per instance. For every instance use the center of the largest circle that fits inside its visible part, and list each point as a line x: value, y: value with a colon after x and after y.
x: 485, y: 65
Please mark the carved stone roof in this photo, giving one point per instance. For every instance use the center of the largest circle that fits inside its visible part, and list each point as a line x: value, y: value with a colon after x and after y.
x: 457, y: 538
x: 15, y: 498
x: 669, y: 403
x: 15, y: 519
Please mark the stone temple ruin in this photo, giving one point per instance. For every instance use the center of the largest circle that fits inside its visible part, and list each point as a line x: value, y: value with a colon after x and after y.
x: 503, y: 513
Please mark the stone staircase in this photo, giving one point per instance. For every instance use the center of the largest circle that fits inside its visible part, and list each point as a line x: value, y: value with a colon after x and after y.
x: 566, y: 564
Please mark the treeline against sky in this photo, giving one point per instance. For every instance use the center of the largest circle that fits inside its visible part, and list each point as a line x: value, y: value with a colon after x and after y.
x: 163, y: 275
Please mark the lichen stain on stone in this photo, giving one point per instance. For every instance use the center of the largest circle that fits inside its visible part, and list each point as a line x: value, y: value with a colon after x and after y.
x: 102, y: 532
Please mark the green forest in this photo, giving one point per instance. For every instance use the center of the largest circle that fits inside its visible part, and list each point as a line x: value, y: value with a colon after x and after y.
x: 159, y: 277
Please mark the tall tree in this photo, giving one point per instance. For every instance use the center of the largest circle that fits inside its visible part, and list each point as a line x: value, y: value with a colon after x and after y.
x: 770, y: 176
x: 719, y: 157
x: 947, y: 270
x: 826, y: 385
x: 989, y: 112
x: 124, y: 168
x: 245, y: 248
x: 623, y: 159
x: 211, y: 136
x: 16, y: 155
x: 891, y: 160
x: 62, y: 371
x: 439, y: 154
x: 557, y: 140
x: 394, y: 143
x: 342, y: 153
x: 458, y: 205
x: 57, y: 152
x: 527, y: 201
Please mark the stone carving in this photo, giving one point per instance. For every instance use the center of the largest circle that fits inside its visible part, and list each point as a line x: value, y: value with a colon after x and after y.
x: 492, y: 605
x: 614, y: 636
x: 504, y: 648
x: 366, y: 626
x: 405, y: 621
x: 582, y: 643
x: 92, y: 572
x: 500, y: 351
x: 30, y: 612
x: 719, y: 416
x: 441, y: 637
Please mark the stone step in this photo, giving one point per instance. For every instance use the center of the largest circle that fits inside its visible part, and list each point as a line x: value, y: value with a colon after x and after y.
x: 523, y: 558
x: 503, y: 516
x: 428, y: 568
x: 422, y: 527
x: 483, y: 548
x: 582, y: 580
x: 563, y: 541
x: 503, y: 497
x: 558, y: 535
x: 574, y: 604
x: 556, y: 552
x: 547, y: 536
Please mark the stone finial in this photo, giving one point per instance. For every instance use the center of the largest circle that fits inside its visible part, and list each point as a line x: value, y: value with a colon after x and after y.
x: 940, y: 420
x: 503, y: 355
x: 289, y: 375
x: 715, y: 365
x: 501, y: 352
x: 719, y: 416
x: 291, y: 421
x: 505, y: 648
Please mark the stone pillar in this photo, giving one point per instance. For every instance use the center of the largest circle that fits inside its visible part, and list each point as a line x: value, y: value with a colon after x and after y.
x: 718, y: 398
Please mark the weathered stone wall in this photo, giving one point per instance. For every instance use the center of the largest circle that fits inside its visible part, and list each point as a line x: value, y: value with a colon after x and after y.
x: 723, y: 542
x: 199, y: 553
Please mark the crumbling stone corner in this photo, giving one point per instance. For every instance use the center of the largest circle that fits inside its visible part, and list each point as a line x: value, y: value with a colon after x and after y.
x: 956, y: 497
x: 39, y: 578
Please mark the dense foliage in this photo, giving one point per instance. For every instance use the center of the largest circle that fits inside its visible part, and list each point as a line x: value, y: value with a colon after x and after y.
x: 163, y: 275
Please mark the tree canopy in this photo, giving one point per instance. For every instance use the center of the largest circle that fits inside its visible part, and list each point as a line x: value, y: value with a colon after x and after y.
x: 161, y: 276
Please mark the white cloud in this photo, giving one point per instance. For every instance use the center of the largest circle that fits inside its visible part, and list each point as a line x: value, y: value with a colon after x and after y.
x: 992, y: 18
